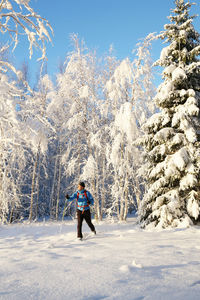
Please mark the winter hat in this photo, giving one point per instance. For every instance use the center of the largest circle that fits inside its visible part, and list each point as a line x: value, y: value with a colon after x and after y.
x: 82, y: 184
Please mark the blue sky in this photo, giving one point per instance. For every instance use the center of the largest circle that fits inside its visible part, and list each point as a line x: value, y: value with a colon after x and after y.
x: 100, y: 23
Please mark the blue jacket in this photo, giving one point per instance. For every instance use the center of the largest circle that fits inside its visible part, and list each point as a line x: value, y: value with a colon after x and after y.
x: 82, y: 200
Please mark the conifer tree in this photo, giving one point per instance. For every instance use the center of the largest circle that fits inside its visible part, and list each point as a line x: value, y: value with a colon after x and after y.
x: 172, y: 135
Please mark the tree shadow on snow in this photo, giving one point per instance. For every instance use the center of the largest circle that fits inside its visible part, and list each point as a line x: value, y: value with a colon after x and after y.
x: 97, y: 297
x: 156, y: 271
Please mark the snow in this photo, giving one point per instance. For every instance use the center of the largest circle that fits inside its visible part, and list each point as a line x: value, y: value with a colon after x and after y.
x: 178, y: 74
x: 164, y: 53
x: 164, y: 91
x: 191, y: 100
x: 183, y: 33
x: 155, y: 121
x: 121, y: 80
x: 114, y: 157
x: 45, y: 261
x: 191, y: 134
x: 84, y: 91
x: 156, y: 171
x: 188, y: 181
x: 181, y: 159
x: 169, y: 69
x: 193, y: 205
x: 126, y: 122
x: 123, y: 73
x: 89, y: 169
x: 32, y: 40
x: 163, y: 134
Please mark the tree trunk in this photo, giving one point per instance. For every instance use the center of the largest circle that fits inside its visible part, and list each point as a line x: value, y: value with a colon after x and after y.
x: 137, y: 192
x: 103, y: 198
x: 33, y: 183
x: 38, y: 188
x: 96, y: 189
x: 58, y: 185
x: 11, y: 214
x: 121, y: 216
x: 51, y: 208
x: 121, y: 184
x: 126, y: 198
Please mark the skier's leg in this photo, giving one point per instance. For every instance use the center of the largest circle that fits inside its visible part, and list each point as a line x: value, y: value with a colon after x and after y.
x: 79, y: 224
x: 87, y: 216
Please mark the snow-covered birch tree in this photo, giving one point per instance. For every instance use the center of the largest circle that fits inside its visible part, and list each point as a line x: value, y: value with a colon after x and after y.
x: 172, y: 135
x: 91, y: 171
x: 143, y: 91
x: 58, y: 112
x: 37, y: 130
x: 121, y: 133
x: 9, y: 142
x: 100, y: 137
x: 130, y: 90
x: 17, y: 19
x: 77, y: 85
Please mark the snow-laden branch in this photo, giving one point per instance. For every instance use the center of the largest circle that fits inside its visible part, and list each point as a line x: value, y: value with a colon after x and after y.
x: 23, y: 20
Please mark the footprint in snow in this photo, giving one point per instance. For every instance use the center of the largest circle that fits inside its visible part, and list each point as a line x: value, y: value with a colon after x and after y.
x: 195, y: 283
x: 126, y: 268
x: 134, y: 264
x: 51, y: 246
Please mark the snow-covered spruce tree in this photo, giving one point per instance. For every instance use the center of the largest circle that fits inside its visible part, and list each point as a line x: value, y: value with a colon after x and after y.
x: 172, y: 141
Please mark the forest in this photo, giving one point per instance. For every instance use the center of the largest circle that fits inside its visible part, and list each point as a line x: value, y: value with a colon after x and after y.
x: 102, y: 122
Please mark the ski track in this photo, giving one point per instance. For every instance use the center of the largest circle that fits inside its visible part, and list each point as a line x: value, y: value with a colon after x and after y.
x: 45, y: 261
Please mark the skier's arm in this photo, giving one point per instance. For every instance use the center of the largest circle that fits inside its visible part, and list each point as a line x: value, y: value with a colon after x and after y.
x: 72, y: 197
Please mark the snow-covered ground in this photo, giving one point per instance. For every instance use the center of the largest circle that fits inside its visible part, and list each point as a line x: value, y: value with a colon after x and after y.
x: 45, y: 261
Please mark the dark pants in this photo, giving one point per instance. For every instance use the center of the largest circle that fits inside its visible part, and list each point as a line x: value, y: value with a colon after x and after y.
x: 83, y: 215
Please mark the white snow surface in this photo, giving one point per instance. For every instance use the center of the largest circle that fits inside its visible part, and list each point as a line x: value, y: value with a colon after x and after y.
x: 178, y: 74
x: 45, y: 261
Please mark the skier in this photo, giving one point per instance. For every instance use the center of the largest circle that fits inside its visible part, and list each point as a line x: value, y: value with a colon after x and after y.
x: 84, y: 199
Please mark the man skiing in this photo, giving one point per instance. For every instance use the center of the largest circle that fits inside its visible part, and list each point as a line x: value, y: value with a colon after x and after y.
x: 84, y: 199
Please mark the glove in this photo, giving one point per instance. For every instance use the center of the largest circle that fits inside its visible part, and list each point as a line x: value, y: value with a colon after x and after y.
x: 67, y: 196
